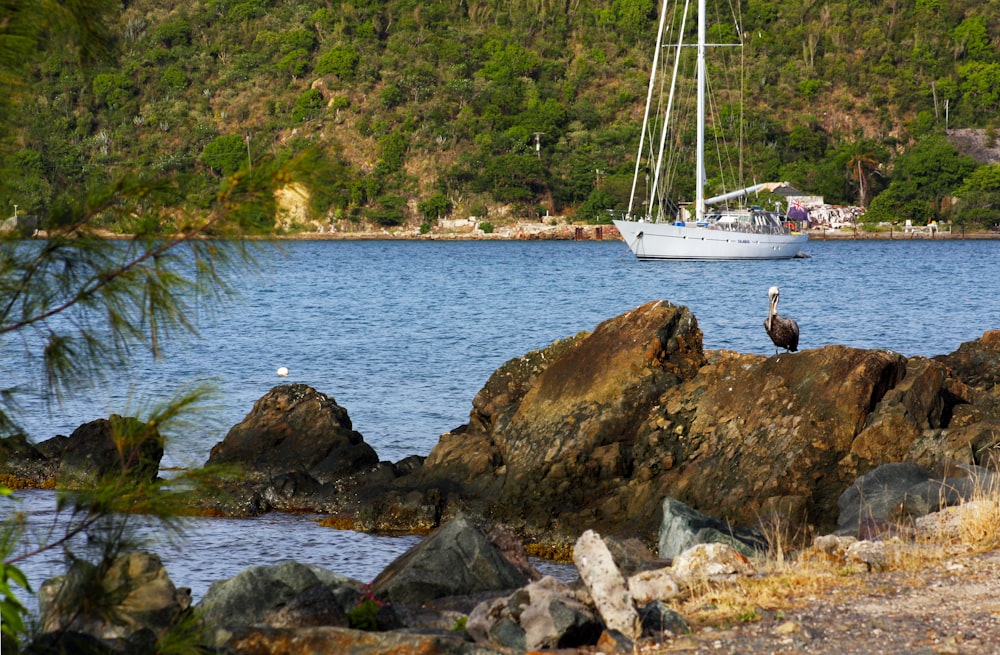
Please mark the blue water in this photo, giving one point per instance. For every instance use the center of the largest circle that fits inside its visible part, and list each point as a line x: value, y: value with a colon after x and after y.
x: 404, y: 333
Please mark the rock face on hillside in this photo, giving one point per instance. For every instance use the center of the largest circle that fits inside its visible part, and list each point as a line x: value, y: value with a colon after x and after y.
x: 975, y: 143
x: 595, y: 431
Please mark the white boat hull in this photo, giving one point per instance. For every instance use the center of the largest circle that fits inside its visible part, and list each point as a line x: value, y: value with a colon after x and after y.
x: 668, y: 241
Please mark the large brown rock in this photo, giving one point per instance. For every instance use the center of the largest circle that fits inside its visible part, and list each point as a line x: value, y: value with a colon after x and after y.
x: 976, y: 363
x: 761, y: 428
x: 294, y: 428
x: 550, y: 436
x: 595, y: 431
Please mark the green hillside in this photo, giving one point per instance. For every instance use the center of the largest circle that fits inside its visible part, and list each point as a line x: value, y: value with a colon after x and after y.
x: 422, y: 110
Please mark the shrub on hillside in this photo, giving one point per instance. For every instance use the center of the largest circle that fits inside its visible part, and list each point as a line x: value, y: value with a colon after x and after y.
x: 226, y: 154
x: 340, y: 60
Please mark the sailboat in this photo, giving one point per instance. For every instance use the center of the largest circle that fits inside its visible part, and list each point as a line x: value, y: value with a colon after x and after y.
x: 709, y: 229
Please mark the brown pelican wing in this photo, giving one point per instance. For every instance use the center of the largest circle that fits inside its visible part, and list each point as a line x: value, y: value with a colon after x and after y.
x: 784, y: 332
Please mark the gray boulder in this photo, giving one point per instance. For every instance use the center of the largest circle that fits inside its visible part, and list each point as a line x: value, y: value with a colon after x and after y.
x: 900, y: 491
x: 935, y: 494
x: 877, y: 497
x: 256, y: 594
x: 145, y: 606
x: 683, y: 527
x: 454, y: 560
x: 318, y: 605
x: 658, y: 620
x: 547, y: 613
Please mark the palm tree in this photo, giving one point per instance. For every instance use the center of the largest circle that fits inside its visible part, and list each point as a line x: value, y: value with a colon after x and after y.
x: 863, y: 159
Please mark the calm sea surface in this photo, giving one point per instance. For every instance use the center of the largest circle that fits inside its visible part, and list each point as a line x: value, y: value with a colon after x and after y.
x: 404, y: 333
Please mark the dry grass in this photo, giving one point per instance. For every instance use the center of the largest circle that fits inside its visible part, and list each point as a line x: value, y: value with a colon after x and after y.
x: 979, y: 524
x: 774, y: 588
x: 785, y: 580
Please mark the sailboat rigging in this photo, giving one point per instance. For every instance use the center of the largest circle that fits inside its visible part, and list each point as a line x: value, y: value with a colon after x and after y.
x: 667, y: 231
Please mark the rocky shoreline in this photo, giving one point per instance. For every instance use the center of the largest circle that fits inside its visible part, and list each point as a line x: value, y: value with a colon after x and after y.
x: 531, y: 231
x: 676, y: 463
x: 554, y: 230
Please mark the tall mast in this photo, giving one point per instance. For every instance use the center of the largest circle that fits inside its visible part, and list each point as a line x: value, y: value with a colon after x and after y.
x: 699, y: 202
x: 645, y: 116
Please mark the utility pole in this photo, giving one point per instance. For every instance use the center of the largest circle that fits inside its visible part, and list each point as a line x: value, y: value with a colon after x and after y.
x: 249, y: 160
x: 538, y: 144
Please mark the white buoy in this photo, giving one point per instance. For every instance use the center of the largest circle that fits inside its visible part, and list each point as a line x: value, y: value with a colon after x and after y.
x: 282, y: 372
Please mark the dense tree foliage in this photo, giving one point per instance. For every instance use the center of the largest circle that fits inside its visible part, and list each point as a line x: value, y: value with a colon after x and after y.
x: 493, y: 103
x: 980, y: 197
x: 922, y: 178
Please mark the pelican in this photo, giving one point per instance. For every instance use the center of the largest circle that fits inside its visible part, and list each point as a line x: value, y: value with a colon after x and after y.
x: 784, y: 332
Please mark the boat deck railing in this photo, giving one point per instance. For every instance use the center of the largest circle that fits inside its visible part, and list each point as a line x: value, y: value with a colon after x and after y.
x: 749, y: 228
x: 757, y: 222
